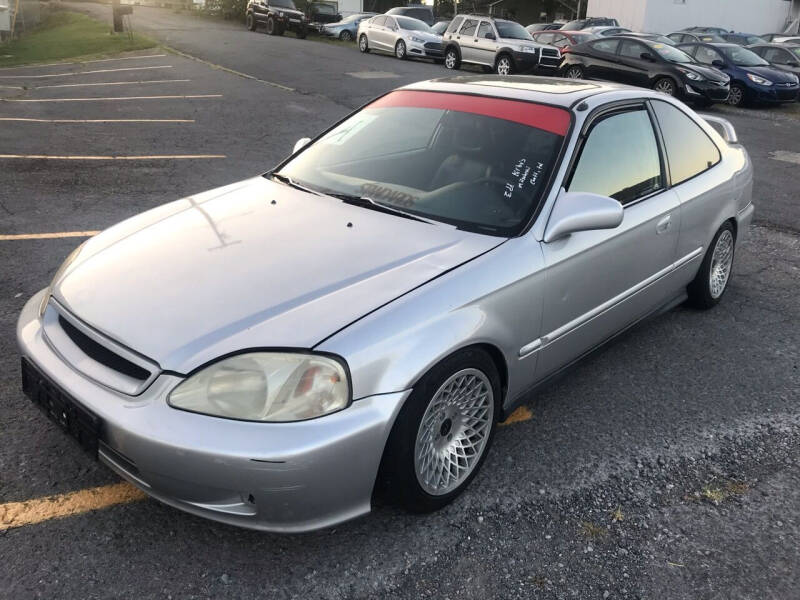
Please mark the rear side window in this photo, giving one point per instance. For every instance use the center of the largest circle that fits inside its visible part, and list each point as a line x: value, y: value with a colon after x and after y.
x: 631, y: 49
x: 631, y: 170
x: 379, y: 21
x: 607, y: 46
x: 689, y: 150
x: 454, y: 24
x: 706, y: 55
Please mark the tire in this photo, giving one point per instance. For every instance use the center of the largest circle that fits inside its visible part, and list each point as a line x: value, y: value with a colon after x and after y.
x: 666, y: 85
x: 400, y: 50
x: 711, y: 281
x: 737, y: 96
x: 428, y: 424
x: 346, y: 36
x: 574, y: 72
x: 271, y: 28
x: 363, y: 43
x: 250, y: 20
x: 301, y: 33
x: 504, y: 65
x: 452, y: 60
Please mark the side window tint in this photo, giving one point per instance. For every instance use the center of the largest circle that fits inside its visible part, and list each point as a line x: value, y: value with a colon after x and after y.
x: 689, y: 150
x: 379, y: 21
x: 619, y: 159
x: 631, y: 49
x: 469, y: 27
x: 706, y: 55
x: 454, y: 24
x: 607, y: 46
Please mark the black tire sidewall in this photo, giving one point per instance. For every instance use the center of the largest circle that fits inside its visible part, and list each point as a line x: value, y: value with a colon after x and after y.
x: 397, y: 473
x: 270, y: 26
x: 699, y: 290
x: 251, y: 22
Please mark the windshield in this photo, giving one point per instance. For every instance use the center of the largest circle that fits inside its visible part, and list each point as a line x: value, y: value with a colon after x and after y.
x: 410, y: 24
x: 512, y: 31
x: 672, y: 54
x: 324, y: 9
x: 352, y: 18
x: 476, y: 162
x: 742, y: 57
x: 440, y: 27
x: 282, y: 4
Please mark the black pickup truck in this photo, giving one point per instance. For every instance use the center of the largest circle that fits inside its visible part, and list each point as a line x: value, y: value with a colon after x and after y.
x: 276, y: 16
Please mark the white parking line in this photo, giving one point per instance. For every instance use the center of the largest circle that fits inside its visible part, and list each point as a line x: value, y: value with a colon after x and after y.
x: 786, y: 156
x: 83, y: 62
x: 69, y: 85
x: 99, y: 157
x: 184, y: 97
x: 97, y: 120
x: 46, y: 236
x: 84, y: 72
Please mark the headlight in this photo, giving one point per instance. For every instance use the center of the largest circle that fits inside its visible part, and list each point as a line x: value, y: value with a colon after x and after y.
x: 758, y: 80
x: 530, y: 49
x: 266, y: 386
x: 61, y: 270
x: 414, y: 38
x: 690, y: 74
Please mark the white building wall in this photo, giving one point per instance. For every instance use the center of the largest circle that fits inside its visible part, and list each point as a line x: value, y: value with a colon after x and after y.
x: 751, y: 16
x: 349, y: 7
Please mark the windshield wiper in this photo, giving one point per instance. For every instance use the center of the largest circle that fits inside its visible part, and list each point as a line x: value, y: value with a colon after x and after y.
x: 369, y: 203
x: 292, y: 183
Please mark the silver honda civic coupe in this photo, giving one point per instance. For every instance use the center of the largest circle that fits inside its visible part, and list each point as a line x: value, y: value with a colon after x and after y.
x: 271, y: 353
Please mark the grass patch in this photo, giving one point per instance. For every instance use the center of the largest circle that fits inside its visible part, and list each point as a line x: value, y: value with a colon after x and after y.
x: 66, y: 35
x: 717, y: 493
x: 592, y: 531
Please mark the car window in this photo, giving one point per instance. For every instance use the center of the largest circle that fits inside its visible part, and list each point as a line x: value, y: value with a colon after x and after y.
x: 544, y: 38
x: 689, y: 149
x: 676, y: 37
x: 324, y: 9
x: 559, y: 41
x: 706, y: 55
x: 483, y: 29
x: 378, y: 21
x: 743, y: 57
x: 454, y: 24
x: 630, y: 49
x: 629, y: 172
x: 779, y: 56
x: 607, y: 46
x: 470, y: 25
x: 510, y: 30
x: 411, y: 24
x: 390, y: 23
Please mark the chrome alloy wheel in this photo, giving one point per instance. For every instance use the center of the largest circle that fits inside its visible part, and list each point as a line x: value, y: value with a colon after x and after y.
x: 450, y: 59
x: 504, y: 66
x: 453, y: 432
x: 665, y: 86
x: 721, y: 261
x: 574, y: 73
x: 362, y: 43
x: 735, y: 96
x: 400, y: 50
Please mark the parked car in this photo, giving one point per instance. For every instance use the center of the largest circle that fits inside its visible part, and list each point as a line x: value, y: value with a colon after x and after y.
x: 743, y: 39
x: 440, y: 26
x: 780, y: 56
x: 347, y: 28
x: 653, y: 37
x: 563, y: 40
x: 402, y: 36
x: 647, y: 64
x: 681, y: 37
x: 423, y: 13
x: 752, y: 78
x: 497, y: 44
x: 543, y: 27
x: 716, y: 30
x: 395, y: 289
x: 781, y: 38
x: 320, y: 14
x: 579, y: 24
x: 276, y: 16
x: 605, y: 30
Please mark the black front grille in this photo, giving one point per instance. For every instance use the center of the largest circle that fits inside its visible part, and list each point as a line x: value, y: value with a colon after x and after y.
x: 786, y: 94
x: 433, y: 46
x: 102, y: 354
x: 550, y: 52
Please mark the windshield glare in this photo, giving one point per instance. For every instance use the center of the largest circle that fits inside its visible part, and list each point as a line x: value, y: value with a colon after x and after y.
x: 446, y: 157
x: 282, y: 4
x: 672, y: 54
x: 742, y: 57
x: 410, y: 24
x: 512, y: 31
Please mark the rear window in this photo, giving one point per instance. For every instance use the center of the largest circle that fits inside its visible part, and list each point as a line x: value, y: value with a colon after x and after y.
x: 689, y: 150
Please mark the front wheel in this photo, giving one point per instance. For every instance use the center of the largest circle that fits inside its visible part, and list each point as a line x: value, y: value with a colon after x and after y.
x: 736, y: 95
x: 271, y: 27
x: 451, y: 59
x: 443, y: 432
x: 712, y: 279
x: 665, y: 85
x: 363, y: 43
x: 346, y: 36
x: 574, y: 72
x: 504, y: 65
x: 400, y: 50
x: 251, y: 22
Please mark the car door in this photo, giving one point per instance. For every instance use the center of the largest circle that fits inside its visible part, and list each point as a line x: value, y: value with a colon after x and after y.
x: 389, y: 34
x: 598, y: 282
x: 485, y: 43
x: 466, y: 40
x: 375, y: 31
x: 706, y: 55
x: 602, y: 61
x: 452, y: 30
x: 633, y: 69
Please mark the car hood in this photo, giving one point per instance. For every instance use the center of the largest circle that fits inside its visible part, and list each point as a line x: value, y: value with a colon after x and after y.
x: 254, y: 264
x: 295, y: 14
x: 771, y: 73
x: 710, y: 73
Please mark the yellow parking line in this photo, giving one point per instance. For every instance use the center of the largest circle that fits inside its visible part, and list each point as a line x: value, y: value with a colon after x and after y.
x: 46, y: 236
x: 59, y: 64
x: 523, y: 413
x: 69, y: 85
x: 112, y: 99
x: 19, y: 514
x: 153, y: 157
x: 84, y: 72
x: 97, y: 120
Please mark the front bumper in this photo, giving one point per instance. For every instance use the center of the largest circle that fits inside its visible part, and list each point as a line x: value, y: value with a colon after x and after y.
x: 282, y: 477
x: 526, y: 61
x: 775, y: 93
x: 706, y: 89
x: 425, y: 50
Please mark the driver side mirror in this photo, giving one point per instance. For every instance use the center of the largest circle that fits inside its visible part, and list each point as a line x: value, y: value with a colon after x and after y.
x: 647, y: 56
x: 300, y: 144
x: 489, y: 36
x: 582, y: 211
x: 718, y: 63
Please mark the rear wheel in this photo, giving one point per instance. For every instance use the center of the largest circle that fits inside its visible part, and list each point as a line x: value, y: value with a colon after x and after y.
x: 736, y: 96
x: 363, y: 43
x: 346, y: 36
x: 251, y: 22
x: 443, y: 432
x: 400, y: 50
x: 574, y: 72
x: 665, y: 85
x: 712, y: 279
x: 504, y: 65
x: 451, y: 59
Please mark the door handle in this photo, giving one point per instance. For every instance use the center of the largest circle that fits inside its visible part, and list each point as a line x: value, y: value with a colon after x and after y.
x: 664, y: 225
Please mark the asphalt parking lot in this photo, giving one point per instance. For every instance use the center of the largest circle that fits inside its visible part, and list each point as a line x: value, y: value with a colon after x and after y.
x: 665, y: 466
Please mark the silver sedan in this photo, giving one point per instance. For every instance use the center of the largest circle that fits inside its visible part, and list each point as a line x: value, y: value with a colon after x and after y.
x: 271, y: 353
x: 402, y: 36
